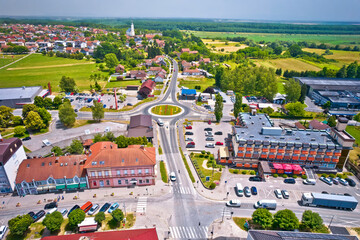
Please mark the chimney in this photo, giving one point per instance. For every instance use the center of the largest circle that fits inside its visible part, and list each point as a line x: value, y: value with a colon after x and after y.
x: 341, y: 124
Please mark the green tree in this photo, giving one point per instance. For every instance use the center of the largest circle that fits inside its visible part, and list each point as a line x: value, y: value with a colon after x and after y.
x: 100, y: 217
x: 342, y: 72
x: 311, y: 220
x: 263, y: 217
x: 67, y: 114
x: 76, y: 217
x: 285, y: 220
x: 57, y: 151
x: 278, y: 50
x: 33, y: 121
x: 6, y: 115
x: 131, y: 43
x: 351, y: 70
x: 76, y: 147
x: 303, y: 93
x: 218, y: 76
x: 97, y: 111
x: 19, y: 131
x: 117, y: 215
x: 53, y: 221
x: 20, y: 224
x: 219, y: 105
x: 295, y: 109
x: 292, y: 90
x: 28, y: 108
x: 48, y: 103
x: 16, y: 120
x: 111, y: 60
x: 327, y: 105
x: 357, y: 117
x: 39, y: 101
x: 237, y: 105
x: 45, y: 116
x: 332, y: 121
x: 295, y: 50
x: 57, y: 102
x: 67, y: 84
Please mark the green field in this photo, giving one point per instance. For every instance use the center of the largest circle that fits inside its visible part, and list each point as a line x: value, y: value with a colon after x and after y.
x: 343, y: 57
x: 166, y: 110
x: 271, y: 37
x: 191, y: 82
x: 287, y: 64
x: 6, y: 59
x: 355, y: 132
x: 122, y: 83
x: 39, y: 70
x: 217, y: 45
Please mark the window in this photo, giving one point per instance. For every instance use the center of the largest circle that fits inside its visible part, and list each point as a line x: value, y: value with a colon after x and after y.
x: 101, y: 183
x: 147, y: 170
x: 28, y: 165
x: 107, y: 182
x: 99, y: 174
x: 93, y: 174
x: 147, y: 180
x: 140, y: 181
x: 126, y: 181
x: 125, y: 172
x: 118, y: 172
x: 107, y: 173
x: 50, y: 163
x: 93, y: 163
x: 132, y: 172
x: 139, y: 171
x: 119, y: 182
x: 101, y: 162
x: 94, y: 183
x: 42, y: 164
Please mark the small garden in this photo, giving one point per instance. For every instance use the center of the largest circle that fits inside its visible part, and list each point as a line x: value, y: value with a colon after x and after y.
x: 275, y: 175
x: 163, y: 172
x: 242, y: 171
x: 210, y: 176
x: 340, y: 175
x: 166, y: 110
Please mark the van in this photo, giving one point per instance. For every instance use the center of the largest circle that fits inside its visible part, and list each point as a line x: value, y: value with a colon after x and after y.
x: 86, y: 207
x: 239, y: 190
x: 309, y: 181
x: 160, y: 122
x: 51, y: 211
x: 268, y: 204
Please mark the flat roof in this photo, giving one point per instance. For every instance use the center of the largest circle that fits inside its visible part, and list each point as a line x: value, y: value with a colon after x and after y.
x: 351, y: 84
x: 253, y: 131
x: 343, y: 100
x: 18, y: 93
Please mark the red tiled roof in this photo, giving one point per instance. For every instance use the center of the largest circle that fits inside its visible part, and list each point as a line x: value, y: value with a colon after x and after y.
x: 148, y: 84
x: 315, y: 124
x: 299, y: 125
x: 192, y: 70
x: 133, y: 234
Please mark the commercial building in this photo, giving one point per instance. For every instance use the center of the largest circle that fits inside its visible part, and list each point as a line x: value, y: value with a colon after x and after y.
x: 289, y: 235
x: 140, y: 126
x: 17, y: 97
x: 256, y: 138
x: 11, y: 155
x: 342, y: 93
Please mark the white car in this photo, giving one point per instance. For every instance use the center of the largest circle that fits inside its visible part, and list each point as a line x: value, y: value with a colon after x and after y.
x: 233, y: 203
x: 309, y: 181
x: 172, y: 176
x: 94, y: 208
x: 210, y: 145
x: 278, y: 193
x: 209, y: 134
x: 189, y: 139
x: 3, y: 230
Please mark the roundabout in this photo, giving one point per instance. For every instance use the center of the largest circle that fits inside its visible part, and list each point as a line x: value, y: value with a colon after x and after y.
x: 166, y: 110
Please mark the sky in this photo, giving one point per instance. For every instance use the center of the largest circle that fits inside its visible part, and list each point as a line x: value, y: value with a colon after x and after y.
x: 272, y: 10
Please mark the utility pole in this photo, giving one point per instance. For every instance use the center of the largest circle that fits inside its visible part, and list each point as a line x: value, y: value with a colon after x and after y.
x: 331, y: 221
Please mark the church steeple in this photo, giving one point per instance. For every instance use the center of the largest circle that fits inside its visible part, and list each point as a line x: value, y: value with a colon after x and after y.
x: 132, y: 30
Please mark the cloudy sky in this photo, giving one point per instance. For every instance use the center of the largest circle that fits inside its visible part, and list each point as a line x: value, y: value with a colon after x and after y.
x: 277, y: 10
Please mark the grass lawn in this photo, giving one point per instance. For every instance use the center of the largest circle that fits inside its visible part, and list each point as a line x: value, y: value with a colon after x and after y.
x: 109, y: 224
x: 38, y: 70
x: 287, y: 64
x: 272, y: 37
x: 218, y: 45
x: 354, y: 154
x: 122, y: 83
x: 80, y: 123
x: 6, y: 59
x: 240, y: 222
x: 163, y: 172
x: 157, y: 92
x: 344, y: 57
x: 280, y: 84
x: 128, y: 108
x: 198, y: 160
x: 166, y: 110
x: 355, y: 132
x: 191, y: 82
x: 36, y: 230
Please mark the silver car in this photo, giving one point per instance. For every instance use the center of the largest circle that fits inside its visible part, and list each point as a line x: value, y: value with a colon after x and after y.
x: 278, y: 193
x: 94, y: 208
x: 233, y: 203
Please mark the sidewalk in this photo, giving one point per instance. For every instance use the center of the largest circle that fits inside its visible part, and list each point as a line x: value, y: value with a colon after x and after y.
x: 226, y: 228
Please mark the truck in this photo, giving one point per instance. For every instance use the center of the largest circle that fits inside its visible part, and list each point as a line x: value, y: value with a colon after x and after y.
x: 266, y: 203
x: 329, y: 200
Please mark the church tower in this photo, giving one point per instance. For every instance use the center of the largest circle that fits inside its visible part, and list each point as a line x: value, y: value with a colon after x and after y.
x: 132, y: 30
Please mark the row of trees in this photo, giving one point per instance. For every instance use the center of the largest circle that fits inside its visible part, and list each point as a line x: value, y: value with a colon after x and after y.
x: 35, y: 118
x: 15, y: 49
x: 48, y: 103
x: 77, y: 55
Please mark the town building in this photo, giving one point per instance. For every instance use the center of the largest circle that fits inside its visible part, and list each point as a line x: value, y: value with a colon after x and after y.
x: 289, y: 235
x: 17, y: 97
x: 191, y: 72
x: 188, y: 94
x: 140, y: 126
x: 256, y: 138
x: 146, y: 88
x: 131, y: 31
x: 51, y: 174
x: 110, y: 166
x: 11, y: 155
x: 315, y: 124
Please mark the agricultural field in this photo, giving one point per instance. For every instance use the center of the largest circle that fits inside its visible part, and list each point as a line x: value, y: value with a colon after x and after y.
x: 343, y: 40
x: 287, y: 64
x: 217, y: 46
x: 39, y: 70
x: 6, y: 59
x: 343, y: 57
x: 191, y: 82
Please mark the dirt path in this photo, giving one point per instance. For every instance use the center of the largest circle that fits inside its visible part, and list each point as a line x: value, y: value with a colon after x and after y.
x: 51, y: 66
x: 15, y: 61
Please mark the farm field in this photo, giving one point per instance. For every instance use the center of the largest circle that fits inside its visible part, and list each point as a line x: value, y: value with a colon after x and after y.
x: 217, y: 45
x: 191, y: 82
x: 287, y: 64
x: 330, y: 39
x: 39, y: 70
x: 6, y: 59
x: 344, y: 57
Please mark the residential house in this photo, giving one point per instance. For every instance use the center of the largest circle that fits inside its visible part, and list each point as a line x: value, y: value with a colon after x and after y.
x: 140, y: 126
x: 160, y: 43
x: 204, y: 60
x: 154, y: 70
x: 193, y: 52
x: 159, y: 60
x: 185, y: 50
x: 120, y: 68
x: 11, y: 155
x: 137, y: 74
x: 51, y: 174
x: 192, y: 72
x: 315, y: 124
x: 109, y: 166
x: 146, y: 88
x: 159, y: 78
x: 185, y: 64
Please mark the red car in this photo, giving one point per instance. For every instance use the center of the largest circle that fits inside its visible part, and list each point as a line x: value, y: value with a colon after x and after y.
x: 219, y: 143
x: 191, y: 143
x: 188, y: 127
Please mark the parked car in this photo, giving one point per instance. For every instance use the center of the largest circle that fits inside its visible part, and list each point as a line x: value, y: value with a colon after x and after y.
x: 219, y: 143
x: 209, y: 139
x: 31, y: 214
x: 94, y: 208
x: 207, y: 129
x: 208, y: 134
x: 3, y: 230
x: 63, y: 211
x: 190, y: 145
x: 351, y: 182
x: 38, y: 215
x: 209, y: 145
x: 113, y: 207
x: 189, y: 133
x: 324, y: 192
x: 347, y: 194
x: 342, y: 181
x: 255, y: 179
x: 278, y: 193
x: 50, y: 205
x: 309, y: 181
x: 218, y: 133
x: 290, y: 180
x: 254, y: 190
x: 285, y: 194
x: 326, y: 180
x: 129, y: 104
x: 189, y: 139
x: 335, y: 181
x: 247, y: 192
x: 172, y: 176
x: 233, y: 203
x: 104, y: 207
x: 26, y: 138
x: 72, y: 209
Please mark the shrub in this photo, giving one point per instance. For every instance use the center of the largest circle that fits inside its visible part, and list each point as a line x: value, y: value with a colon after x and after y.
x: 220, y: 168
x: 208, y: 153
x: 324, y: 175
x: 304, y: 177
x: 284, y: 176
x: 201, y: 155
x: 19, y: 131
x: 211, y: 157
x: 212, y: 185
x: 236, y: 171
x: 252, y: 172
x: 275, y: 175
x: 332, y: 175
x: 203, y: 151
x: 244, y: 172
x: 206, y: 156
x: 294, y: 176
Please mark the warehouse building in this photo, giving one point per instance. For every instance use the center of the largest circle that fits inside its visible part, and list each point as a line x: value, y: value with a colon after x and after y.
x: 342, y: 93
x: 17, y: 97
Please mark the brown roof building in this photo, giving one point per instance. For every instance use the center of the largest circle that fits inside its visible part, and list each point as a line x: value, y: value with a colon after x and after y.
x: 146, y: 88
x: 140, y: 126
x: 315, y: 124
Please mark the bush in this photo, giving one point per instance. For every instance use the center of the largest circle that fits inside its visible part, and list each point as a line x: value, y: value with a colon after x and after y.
x: 284, y: 176
x: 275, y: 175
x: 243, y: 172
x: 324, y: 175
x: 332, y: 175
x: 203, y: 151
x: 99, y: 217
x: 208, y: 153
x: 206, y: 156
x: 19, y: 131
x: 294, y: 176
x: 252, y: 172
x: 212, y: 185
x: 236, y: 171
x: 211, y: 157
x: 220, y: 168
x: 304, y: 177
x: 201, y: 155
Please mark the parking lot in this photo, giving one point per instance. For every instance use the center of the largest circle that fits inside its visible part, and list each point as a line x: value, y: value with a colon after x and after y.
x: 199, y: 137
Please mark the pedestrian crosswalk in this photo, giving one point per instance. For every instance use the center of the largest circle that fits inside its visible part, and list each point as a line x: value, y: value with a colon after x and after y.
x: 182, y: 190
x: 141, y: 205
x: 226, y: 213
x: 198, y: 232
